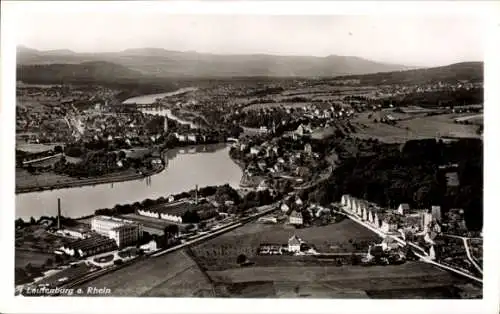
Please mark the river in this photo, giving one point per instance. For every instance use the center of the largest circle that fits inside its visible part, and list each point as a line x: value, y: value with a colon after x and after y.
x: 186, y: 167
x: 200, y: 165
x: 151, y: 98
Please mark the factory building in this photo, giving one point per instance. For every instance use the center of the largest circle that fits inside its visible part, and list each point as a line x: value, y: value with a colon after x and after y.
x: 123, y: 232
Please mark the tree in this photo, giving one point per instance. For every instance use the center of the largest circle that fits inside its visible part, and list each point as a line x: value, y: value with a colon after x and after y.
x: 171, y: 230
x: 190, y: 217
x: 32, y: 220
x: 241, y: 259
x: 355, y: 259
x: 58, y: 149
x: 306, y: 217
x: 19, y: 222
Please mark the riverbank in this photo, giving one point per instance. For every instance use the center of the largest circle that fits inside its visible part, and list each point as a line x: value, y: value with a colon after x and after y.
x: 75, y: 182
x: 245, y: 181
x: 89, y: 181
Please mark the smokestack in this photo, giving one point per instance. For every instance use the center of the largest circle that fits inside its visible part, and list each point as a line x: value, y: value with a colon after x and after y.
x: 58, y: 213
x: 196, y: 195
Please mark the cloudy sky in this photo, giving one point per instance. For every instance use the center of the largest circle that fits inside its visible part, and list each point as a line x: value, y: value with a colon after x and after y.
x: 410, y: 40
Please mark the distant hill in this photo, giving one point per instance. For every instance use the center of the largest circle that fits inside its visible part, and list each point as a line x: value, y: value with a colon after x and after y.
x: 470, y: 71
x: 166, y: 63
x: 93, y: 71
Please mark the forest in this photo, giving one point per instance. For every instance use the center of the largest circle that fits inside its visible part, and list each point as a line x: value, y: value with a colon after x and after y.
x: 415, y: 173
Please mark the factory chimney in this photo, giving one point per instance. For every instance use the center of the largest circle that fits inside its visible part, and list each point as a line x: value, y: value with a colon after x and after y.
x: 196, y: 195
x: 58, y: 213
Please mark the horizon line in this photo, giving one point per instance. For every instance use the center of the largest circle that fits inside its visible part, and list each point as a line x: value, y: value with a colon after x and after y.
x: 412, y: 66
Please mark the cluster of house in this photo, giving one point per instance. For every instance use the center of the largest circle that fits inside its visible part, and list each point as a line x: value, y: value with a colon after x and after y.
x: 271, y: 159
x: 393, y: 90
x: 295, y: 209
x: 403, y: 220
x: 387, y: 252
x: 107, y: 233
x: 295, y: 246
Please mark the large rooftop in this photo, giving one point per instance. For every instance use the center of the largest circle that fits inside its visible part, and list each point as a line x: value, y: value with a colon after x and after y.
x: 176, y: 208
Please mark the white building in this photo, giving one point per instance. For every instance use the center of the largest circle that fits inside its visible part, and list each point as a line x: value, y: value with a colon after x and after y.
x: 346, y: 201
x: 426, y: 221
x: 388, y: 225
x: 294, y: 244
x: 284, y: 207
x: 254, y: 150
x: 436, y: 212
x: 403, y: 209
x: 149, y: 247
x: 124, y: 232
x: 296, y: 218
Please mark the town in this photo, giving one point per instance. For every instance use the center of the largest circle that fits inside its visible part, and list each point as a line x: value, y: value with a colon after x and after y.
x: 290, y: 139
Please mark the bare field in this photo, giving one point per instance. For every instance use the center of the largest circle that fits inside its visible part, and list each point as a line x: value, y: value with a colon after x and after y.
x: 34, y: 148
x: 433, y: 125
x: 411, y: 275
x: 25, y: 179
x: 173, y: 274
x: 412, y: 126
x: 51, y: 180
x: 25, y: 257
x: 474, y: 118
x: 220, y: 253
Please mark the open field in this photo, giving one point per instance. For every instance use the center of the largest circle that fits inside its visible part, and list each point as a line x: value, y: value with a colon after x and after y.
x: 407, y: 280
x: 342, y: 232
x: 475, y: 119
x: 221, y: 252
x: 35, y: 148
x: 173, y: 274
x: 25, y: 257
x: 26, y: 183
x: 67, y: 274
x: 409, y: 128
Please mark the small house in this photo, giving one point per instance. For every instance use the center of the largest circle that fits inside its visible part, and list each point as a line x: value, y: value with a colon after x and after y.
x: 403, y: 209
x: 296, y: 218
x: 294, y: 244
x: 284, y: 207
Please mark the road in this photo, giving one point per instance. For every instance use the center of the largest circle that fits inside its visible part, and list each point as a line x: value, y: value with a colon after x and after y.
x: 467, y: 250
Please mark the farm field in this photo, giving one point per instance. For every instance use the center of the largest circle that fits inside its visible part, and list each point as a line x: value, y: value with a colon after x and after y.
x: 173, y: 274
x: 48, y: 180
x: 411, y: 128
x: 411, y: 279
x: 25, y: 257
x: 221, y: 252
x: 35, y: 148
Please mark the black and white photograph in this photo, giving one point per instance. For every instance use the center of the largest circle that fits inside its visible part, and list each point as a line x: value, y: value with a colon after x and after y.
x: 245, y: 156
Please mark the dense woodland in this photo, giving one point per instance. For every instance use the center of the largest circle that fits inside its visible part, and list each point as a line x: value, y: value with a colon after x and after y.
x: 438, y: 98
x: 412, y: 174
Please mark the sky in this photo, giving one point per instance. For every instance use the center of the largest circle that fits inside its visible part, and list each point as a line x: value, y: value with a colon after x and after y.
x: 409, y: 40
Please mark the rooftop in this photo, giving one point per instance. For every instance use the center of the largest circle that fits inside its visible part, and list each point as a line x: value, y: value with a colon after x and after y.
x: 91, y: 242
x: 177, y: 208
